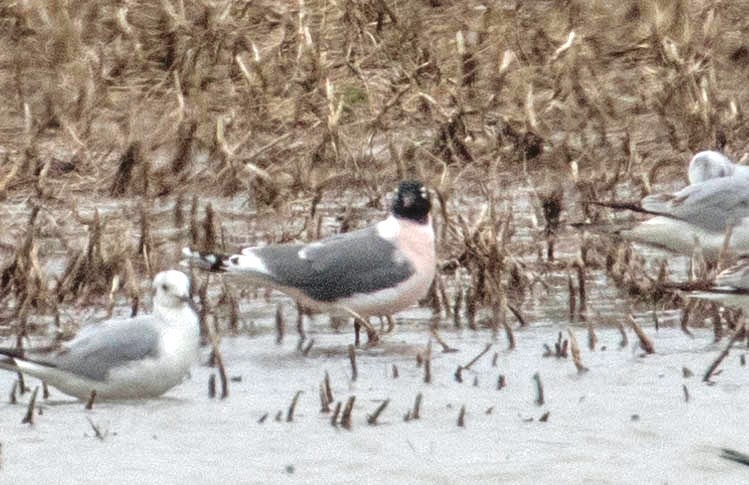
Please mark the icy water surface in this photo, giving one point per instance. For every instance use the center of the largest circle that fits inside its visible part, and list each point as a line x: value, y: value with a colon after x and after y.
x: 624, y: 421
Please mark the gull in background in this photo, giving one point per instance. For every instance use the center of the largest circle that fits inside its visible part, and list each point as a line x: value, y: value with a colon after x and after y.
x: 709, y: 164
x: 731, y: 287
x: 375, y: 271
x: 701, y: 213
x: 127, y: 358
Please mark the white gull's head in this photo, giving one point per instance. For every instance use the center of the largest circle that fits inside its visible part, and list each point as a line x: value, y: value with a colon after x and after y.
x: 171, y: 289
x: 708, y: 165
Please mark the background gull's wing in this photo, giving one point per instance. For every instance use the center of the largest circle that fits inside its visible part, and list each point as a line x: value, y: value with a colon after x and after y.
x: 710, y: 205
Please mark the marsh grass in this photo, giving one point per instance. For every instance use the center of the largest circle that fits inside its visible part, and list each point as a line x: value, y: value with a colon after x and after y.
x: 289, y: 107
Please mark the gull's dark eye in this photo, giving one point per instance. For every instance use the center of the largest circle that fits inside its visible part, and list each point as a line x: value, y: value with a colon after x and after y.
x: 164, y: 287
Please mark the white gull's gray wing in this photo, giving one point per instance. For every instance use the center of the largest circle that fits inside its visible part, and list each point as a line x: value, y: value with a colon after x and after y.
x: 333, y: 268
x: 711, y: 205
x: 111, y: 344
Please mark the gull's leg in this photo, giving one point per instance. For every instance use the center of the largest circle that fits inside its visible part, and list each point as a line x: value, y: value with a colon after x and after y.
x: 372, y: 336
x: 435, y: 333
x: 391, y: 323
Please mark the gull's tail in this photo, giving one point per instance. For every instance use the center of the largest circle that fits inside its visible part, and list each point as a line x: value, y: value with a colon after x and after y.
x: 207, y: 261
x: 16, y: 360
x: 248, y: 264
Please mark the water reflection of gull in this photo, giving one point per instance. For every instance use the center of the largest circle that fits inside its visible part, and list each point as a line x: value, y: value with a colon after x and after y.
x: 700, y: 214
x: 128, y: 358
x: 378, y: 270
x: 710, y: 164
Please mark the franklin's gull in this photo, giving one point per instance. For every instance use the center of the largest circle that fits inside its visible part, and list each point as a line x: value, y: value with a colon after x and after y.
x: 375, y: 271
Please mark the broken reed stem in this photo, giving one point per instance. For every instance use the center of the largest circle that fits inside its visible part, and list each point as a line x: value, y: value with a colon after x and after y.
x: 625, y: 340
x: 352, y: 359
x: 510, y: 334
x: 90, y: 403
x: 328, y: 391
x: 462, y: 416
x: 395, y: 371
x: 456, y: 307
x: 300, y: 323
x: 592, y: 338
x: 685, y: 314
x: 501, y: 382
x: 515, y: 311
x: 194, y: 233
x: 645, y: 342
x: 280, y: 324
x: 212, y: 386
x: 233, y: 313
x: 539, y: 389
x: 372, y: 418
x: 12, y: 398
x: 29, y: 418
x: 738, y: 333
x: 336, y: 412
x: 324, y: 403
x: 346, y: 416
x: 575, y: 349
x: 292, y: 406
x: 717, y: 323
x: 686, y: 392
x: 218, y: 360
x: 481, y: 354
x: 428, y: 363
x: 45, y: 391
x: 573, y: 304
x: 416, y: 412
x: 97, y: 431
x: 209, y: 230
x: 308, y: 347
x: 580, y: 268
x: 471, y: 309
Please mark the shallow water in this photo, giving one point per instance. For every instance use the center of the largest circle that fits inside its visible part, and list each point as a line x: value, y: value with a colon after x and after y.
x: 626, y: 420
x: 592, y: 434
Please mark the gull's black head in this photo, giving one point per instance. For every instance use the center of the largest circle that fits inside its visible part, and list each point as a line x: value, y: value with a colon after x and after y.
x: 412, y: 202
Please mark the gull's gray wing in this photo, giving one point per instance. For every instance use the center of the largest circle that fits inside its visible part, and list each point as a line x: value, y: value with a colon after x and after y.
x: 336, y: 267
x: 711, y: 205
x: 111, y: 344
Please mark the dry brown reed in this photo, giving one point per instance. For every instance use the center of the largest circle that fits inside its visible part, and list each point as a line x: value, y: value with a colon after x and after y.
x: 280, y: 104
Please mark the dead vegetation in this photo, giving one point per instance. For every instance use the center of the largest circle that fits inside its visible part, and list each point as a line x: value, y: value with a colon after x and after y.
x: 258, y: 115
